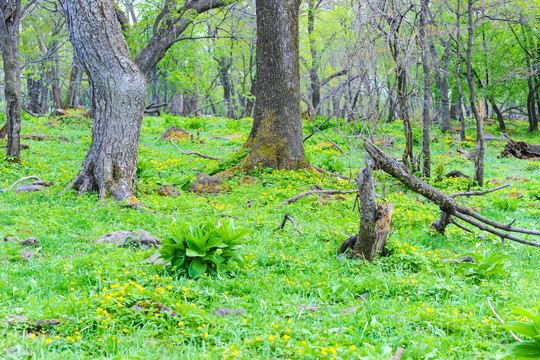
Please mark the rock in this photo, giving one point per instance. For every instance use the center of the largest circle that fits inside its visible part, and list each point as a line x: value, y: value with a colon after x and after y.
x: 465, y: 259
x: 137, y: 238
x: 206, y: 184
x: 351, y: 309
x: 30, y: 242
x: 11, y: 239
x: 33, y: 187
x: 227, y: 312
x: 310, y: 308
x: 248, y: 180
x: 28, y: 255
x: 456, y: 173
x: 168, y: 191
x: 515, y: 195
x: 153, y: 306
x: 156, y: 260
x: 175, y: 133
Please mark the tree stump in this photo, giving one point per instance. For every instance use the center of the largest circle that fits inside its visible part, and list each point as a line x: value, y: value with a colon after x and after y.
x: 375, y: 220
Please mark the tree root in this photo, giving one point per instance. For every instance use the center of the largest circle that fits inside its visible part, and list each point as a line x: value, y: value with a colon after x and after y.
x: 20, y: 181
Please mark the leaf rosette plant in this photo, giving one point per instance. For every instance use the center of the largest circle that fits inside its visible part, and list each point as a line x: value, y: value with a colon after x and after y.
x: 203, y: 247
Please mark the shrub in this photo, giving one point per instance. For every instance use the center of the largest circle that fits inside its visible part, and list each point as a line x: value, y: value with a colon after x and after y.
x: 198, y: 248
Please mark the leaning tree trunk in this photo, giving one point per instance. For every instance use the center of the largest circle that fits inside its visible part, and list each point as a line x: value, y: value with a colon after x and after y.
x: 118, y: 96
x: 276, y: 137
x: 9, y: 42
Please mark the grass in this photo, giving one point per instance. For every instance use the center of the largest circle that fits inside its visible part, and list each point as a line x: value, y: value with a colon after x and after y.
x: 434, y: 309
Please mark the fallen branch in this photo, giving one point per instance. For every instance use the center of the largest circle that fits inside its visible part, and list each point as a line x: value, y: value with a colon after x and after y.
x: 502, y: 321
x: 20, y: 181
x: 479, y: 193
x: 33, y: 325
x: 195, y: 153
x: 284, y: 222
x: 312, y: 192
x: 336, y: 175
x: 45, y: 137
x: 446, y: 203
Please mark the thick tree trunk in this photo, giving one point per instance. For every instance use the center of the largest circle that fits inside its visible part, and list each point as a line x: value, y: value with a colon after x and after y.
x: 177, y: 104
x: 9, y: 42
x: 118, y: 96
x: 480, y: 141
x: 276, y: 137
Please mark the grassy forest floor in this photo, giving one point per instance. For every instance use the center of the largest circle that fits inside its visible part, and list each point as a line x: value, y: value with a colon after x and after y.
x: 411, y: 298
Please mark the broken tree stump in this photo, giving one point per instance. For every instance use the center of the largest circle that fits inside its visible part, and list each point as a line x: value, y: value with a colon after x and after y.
x: 520, y: 149
x: 375, y: 219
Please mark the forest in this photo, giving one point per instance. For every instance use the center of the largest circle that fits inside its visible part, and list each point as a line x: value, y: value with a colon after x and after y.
x: 269, y: 179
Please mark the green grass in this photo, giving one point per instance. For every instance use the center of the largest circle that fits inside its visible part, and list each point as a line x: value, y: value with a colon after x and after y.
x: 433, y: 309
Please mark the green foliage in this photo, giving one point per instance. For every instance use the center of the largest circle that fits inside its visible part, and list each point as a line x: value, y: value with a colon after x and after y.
x: 332, y: 163
x: 530, y: 329
x: 234, y: 160
x: 203, y: 247
x: 487, y: 265
x: 506, y: 203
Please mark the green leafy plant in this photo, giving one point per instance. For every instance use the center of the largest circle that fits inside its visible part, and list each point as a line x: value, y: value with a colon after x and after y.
x: 529, y: 349
x: 486, y: 265
x: 333, y: 164
x: 198, y: 248
x: 506, y: 203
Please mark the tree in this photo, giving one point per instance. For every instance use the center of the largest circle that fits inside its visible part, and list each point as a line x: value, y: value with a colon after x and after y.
x: 276, y: 137
x: 118, y: 97
x: 118, y: 86
x: 480, y: 141
x: 9, y: 42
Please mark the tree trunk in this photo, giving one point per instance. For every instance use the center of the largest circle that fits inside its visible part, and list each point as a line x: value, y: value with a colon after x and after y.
x: 426, y: 116
x: 459, y: 104
x: 118, y: 97
x: 33, y: 87
x: 9, y: 42
x: 445, y: 101
x: 315, y: 81
x: 375, y: 219
x: 55, y: 83
x: 276, y: 137
x: 408, y: 157
x: 73, y: 98
x: 480, y: 141
x: 177, y: 104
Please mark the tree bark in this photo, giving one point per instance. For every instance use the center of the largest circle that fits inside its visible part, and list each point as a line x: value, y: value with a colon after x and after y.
x: 480, y: 141
x: 375, y: 218
x: 73, y: 98
x: 276, y: 137
x: 9, y: 42
x: 118, y: 96
x: 459, y: 105
x: 314, y: 69
x: 426, y: 116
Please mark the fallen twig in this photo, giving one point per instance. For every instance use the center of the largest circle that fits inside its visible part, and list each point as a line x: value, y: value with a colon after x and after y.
x: 284, y: 222
x: 325, y: 192
x: 20, y: 181
x: 502, y: 321
x: 195, y: 153
x: 322, y: 171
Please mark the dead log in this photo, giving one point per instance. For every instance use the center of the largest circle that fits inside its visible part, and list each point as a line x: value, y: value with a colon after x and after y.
x: 375, y: 219
x: 446, y: 203
x: 520, y: 149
